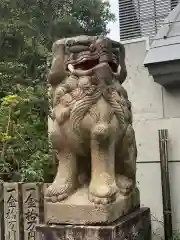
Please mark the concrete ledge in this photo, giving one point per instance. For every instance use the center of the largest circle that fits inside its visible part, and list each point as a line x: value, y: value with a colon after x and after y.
x: 77, y: 209
x: 136, y: 225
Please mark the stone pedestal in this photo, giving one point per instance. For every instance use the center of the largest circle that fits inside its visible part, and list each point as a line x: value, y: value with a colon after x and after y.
x: 136, y: 225
x: 77, y: 209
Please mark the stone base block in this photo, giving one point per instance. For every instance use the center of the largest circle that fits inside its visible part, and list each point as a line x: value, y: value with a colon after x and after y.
x: 136, y: 225
x: 77, y: 209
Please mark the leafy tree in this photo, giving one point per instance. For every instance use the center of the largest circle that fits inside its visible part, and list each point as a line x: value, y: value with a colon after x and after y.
x: 27, y: 30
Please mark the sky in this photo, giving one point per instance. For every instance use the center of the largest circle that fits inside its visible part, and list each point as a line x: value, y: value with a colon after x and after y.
x: 114, y: 27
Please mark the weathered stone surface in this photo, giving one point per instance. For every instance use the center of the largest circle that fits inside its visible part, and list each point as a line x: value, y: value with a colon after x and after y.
x: 92, y: 129
x: 134, y: 226
x: 32, y: 201
x: 12, y: 211
x: 1, y: 211
x: 45, y: 186
x: 77, y: 209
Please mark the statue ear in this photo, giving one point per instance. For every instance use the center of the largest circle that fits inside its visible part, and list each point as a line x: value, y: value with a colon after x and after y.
x: 123, y: 70
x: 57, y: 72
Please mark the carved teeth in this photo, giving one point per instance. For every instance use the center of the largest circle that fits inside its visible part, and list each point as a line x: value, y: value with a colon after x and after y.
x: 71, y: 68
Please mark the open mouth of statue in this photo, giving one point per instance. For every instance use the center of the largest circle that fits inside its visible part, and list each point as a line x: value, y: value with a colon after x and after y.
x: 87, y: 66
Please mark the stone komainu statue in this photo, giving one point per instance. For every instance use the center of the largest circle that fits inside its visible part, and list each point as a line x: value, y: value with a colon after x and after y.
x: 92, y: 129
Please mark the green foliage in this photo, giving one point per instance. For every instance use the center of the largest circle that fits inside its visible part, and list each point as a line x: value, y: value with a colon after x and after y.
x: 23, y: 136
x: 27, y: 31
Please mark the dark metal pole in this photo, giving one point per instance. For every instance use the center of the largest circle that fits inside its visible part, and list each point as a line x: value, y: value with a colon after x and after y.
x: 167, y: 213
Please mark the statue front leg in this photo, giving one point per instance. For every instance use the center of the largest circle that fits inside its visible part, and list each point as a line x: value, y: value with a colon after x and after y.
x: 65, y: 181
x: 126, y: 180
x: 103, y: 187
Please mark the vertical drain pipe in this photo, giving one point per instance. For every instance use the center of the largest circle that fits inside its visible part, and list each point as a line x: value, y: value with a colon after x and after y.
x: 163, y: 148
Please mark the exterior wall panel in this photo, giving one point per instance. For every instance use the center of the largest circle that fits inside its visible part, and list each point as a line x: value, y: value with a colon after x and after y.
x: 139, y: 18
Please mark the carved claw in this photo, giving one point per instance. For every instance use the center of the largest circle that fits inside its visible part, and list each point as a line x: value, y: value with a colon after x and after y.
x: 102, y: 201
x: 56, y: 193
x: 62, y: 115
x: 55, y: 199
x: 102, y: 193
x: 71, y: 68
x: 125, y: 184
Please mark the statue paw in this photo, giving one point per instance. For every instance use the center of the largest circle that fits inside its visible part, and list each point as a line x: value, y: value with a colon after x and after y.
x: 57, y: 192
x: 102, y: 201
x: 125, y: 184
x: 62, y: 115
x: 102, y: 194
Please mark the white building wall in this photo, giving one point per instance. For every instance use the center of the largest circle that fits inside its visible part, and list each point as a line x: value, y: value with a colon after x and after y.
x: 151, y: 13
x: 153, y: 108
